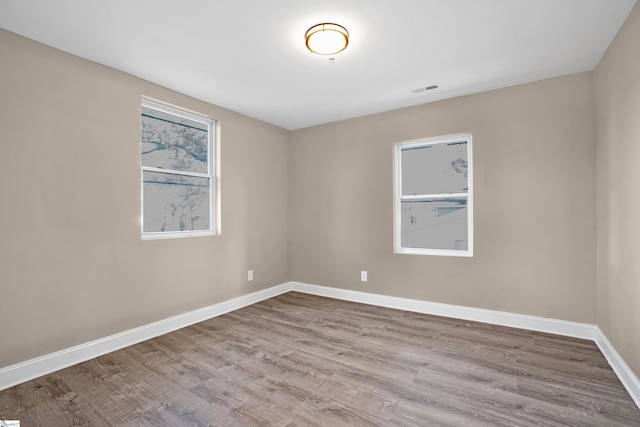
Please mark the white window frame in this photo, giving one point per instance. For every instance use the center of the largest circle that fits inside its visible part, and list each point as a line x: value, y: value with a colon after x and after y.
x: 211, y: 173
x: 398, y: 197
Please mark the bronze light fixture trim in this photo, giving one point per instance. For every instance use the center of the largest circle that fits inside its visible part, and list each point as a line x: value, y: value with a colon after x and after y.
x: 327, y: 38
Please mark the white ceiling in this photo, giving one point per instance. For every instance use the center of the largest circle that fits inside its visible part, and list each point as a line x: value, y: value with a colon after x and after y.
x: 249, y: 55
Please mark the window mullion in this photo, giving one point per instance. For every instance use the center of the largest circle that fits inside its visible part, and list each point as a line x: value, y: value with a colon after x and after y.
x: 176, y: 172
x: 434, y: 196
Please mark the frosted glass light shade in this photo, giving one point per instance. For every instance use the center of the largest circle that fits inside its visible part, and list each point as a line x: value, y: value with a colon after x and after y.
x: 327, y: 39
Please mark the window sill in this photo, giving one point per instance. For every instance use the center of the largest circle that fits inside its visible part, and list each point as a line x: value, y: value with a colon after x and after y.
x: 177, y: 235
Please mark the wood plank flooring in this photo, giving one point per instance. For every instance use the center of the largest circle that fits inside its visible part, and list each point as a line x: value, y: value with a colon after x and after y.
x: 302, y: 360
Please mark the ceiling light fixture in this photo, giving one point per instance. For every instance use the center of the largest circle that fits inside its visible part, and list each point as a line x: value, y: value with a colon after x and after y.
x: 327, y: 38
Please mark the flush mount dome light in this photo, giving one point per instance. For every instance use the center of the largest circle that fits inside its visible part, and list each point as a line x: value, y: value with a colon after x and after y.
x: 327, y: 38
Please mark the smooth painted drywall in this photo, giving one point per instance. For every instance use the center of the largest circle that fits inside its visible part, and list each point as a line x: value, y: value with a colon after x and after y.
x: 313, y: 205
x: 617, y: 92
x: 534, y: 184
x: 72, y: 265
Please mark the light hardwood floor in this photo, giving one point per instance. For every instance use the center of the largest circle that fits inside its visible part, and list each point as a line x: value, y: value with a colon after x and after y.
x: 302, y: 360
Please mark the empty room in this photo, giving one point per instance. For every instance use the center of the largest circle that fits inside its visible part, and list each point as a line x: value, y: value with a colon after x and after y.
x: 336, y: 213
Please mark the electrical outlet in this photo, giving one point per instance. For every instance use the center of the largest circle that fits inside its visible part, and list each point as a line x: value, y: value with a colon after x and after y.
x: 363, y: 276
x: 250, y: 275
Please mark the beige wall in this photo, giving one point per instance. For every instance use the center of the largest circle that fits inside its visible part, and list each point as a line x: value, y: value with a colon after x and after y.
x: 73, y: 267
x: 314, y: 205
x: 617, y: 89
x: 534, y: 183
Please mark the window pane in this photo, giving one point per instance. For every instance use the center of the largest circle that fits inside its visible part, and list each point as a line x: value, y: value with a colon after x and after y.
x: 435, y: 224
x: 173, y: 142
x: 175, y: 203
x: 435, y: 169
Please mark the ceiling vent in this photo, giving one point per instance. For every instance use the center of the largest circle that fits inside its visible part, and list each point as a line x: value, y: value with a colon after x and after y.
x: 424, y: 89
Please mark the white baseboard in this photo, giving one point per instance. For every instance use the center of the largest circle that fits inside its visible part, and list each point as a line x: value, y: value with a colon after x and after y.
x: 532, y: 323
x: 34, y: 368
x: 521, y: 321
x: 620, y: 367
